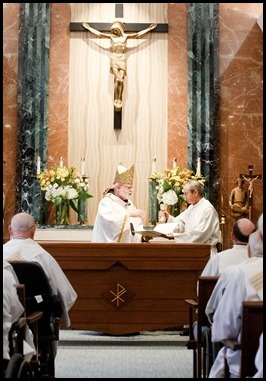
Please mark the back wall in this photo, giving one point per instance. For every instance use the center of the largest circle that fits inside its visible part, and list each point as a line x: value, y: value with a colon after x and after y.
x: 155, y: 98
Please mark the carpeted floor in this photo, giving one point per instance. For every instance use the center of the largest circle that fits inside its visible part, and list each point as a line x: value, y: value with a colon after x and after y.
x: 86, y: 354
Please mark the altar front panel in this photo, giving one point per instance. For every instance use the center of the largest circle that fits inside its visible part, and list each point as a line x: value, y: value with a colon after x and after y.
x: 130, y: 287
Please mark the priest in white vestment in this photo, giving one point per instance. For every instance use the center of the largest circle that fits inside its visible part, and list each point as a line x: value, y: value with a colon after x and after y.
x: 117, y: 217
x: 199, y: 222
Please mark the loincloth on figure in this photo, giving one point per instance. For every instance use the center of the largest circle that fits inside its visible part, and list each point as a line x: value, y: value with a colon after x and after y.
x: 118, y: 61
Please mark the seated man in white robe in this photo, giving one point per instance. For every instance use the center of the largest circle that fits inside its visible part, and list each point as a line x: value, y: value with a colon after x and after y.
x: 236, y: 284
x: 235, y: 255
x: 22, y: 247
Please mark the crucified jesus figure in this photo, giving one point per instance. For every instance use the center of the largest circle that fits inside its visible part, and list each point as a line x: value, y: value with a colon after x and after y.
x: 118, y: 65
x: 250, y: 180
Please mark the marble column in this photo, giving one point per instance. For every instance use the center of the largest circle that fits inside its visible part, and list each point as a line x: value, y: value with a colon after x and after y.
x: 33, y: 80
x: 153, y: 202
x: 203, y: 94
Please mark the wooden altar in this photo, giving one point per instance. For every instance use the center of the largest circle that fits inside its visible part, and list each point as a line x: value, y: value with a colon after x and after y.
x: 130, y: 287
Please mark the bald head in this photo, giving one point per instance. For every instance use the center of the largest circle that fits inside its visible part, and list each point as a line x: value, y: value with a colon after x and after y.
x: 242, y: 229
x: 22, y: 225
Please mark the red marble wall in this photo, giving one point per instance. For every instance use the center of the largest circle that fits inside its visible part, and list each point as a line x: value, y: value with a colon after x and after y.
x: 58, y: 89
x: 241, y: 112
x: 10, y: 71
x: 59, y: 79
x: 240, y: 95
x: 177, y: 84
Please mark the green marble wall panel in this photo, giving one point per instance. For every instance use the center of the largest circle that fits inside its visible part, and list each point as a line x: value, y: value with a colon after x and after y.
x: 153, y: 202
x: 203, y: 93
x: 33, y: 95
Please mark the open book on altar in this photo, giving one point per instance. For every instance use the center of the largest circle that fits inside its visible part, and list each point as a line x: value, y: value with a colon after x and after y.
x: 160, y: 230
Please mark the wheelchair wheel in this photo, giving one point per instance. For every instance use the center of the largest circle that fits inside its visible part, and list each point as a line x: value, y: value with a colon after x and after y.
x: 18, y: 367
x: 25, y: 370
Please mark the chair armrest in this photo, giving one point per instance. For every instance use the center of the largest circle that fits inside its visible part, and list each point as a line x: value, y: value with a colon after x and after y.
x: 21, y: 322
x: 192, y: 308
x: 232, y: 343
x: 37, y: 315
x: 192, y: 303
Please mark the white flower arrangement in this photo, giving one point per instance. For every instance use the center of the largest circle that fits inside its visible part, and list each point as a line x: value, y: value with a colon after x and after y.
x: 170, y: 185
x: 64, y: 183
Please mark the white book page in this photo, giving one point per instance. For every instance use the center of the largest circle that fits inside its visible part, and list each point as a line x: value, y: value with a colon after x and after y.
x: 165, y: 228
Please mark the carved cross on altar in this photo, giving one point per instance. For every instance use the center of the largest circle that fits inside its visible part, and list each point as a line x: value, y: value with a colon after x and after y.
x: 99, y: 29
x: 250, y: 178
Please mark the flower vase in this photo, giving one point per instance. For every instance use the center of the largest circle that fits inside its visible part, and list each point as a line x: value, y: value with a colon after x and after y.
x: 173, y: 210
x: 62, y: 213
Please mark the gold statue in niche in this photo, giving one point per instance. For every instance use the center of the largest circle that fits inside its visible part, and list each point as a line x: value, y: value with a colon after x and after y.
x: 118, y: 65
x: 238, y: 200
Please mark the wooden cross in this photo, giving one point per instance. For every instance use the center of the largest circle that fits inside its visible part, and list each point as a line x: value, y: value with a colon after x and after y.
x: 105, y: 27
x: 250, y: 178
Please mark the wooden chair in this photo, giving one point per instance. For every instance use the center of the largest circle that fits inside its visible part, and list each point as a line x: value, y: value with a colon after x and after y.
x: 251, y: 329
x: 197, y: 312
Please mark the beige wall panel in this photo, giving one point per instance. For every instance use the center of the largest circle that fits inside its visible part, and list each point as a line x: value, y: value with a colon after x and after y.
x: 144, y: 113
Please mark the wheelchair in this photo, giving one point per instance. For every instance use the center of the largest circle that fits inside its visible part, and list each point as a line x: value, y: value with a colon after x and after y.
x: 17, y: 366
x: 38, y: 297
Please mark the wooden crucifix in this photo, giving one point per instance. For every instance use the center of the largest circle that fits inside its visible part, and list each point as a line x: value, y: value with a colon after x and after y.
x: 118, y: 36
x: 250, y: 178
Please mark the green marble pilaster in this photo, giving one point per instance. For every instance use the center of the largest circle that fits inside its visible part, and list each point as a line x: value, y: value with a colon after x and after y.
x: 33, y: 80
x: 203, y: 93
x: 153, y: 202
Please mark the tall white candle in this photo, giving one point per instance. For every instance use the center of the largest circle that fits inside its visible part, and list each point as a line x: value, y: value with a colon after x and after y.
x: 61, y: 162
x: 198, y: 167
x: 153, y: 165
x: 222, y: 203
x: 38, y: 170
x: 174, y: 162
x: 82, y: 166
